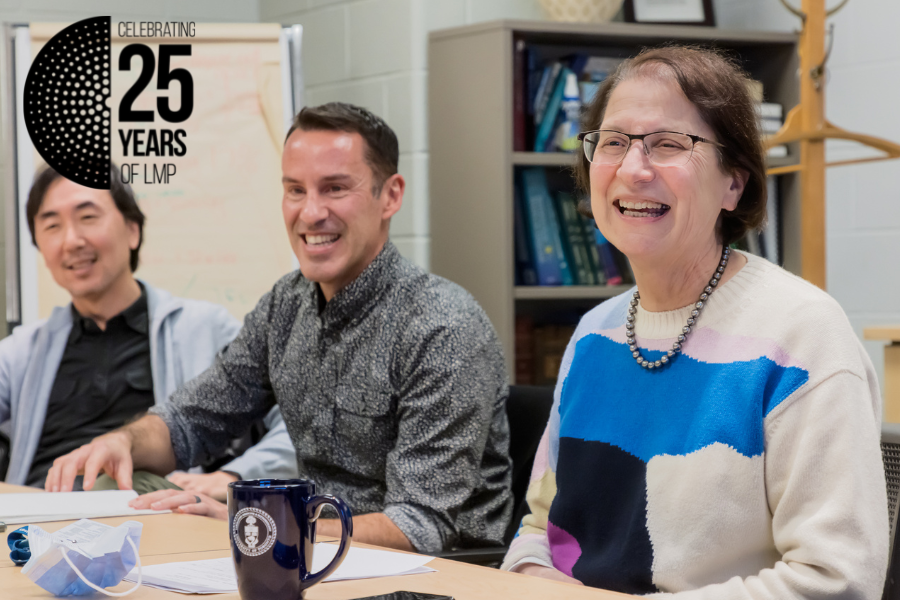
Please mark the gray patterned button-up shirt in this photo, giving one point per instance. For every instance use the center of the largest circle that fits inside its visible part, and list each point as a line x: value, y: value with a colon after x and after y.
x: 393, y: 393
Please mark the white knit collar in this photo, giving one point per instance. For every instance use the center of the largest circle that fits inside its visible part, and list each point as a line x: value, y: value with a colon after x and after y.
x: 721, y: 304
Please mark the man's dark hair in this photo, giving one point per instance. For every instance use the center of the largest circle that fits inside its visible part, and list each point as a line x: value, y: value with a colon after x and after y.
x: 121, y: 194
x: 719, y: 89
x: 382, y: 150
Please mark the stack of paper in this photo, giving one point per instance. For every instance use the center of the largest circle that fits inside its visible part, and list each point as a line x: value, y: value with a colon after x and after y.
x: 217, y: 576
x: 64, y: 506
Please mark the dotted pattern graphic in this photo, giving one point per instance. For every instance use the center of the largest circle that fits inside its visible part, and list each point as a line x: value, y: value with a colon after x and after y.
x: 67, y: 110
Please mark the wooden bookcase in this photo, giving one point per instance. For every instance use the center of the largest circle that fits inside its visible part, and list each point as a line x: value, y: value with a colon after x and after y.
x: 472, y: 162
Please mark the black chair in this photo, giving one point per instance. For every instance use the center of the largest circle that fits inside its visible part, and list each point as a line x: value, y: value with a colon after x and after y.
x: 528, y: 409
x: 890, y: 454
x: 4, y: 456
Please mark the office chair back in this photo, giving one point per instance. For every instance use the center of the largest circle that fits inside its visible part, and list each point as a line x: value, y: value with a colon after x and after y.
x: 528, y: 409
x: 890, y: 454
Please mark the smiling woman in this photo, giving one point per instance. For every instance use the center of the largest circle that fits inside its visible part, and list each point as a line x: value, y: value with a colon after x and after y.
x: 715, y: 430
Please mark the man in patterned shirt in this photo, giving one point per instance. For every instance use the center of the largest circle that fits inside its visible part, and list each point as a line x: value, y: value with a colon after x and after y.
x: 390, y: 380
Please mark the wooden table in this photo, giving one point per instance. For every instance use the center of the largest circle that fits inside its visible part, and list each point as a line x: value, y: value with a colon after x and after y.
x: 173, y: 538
x: 891, y: 334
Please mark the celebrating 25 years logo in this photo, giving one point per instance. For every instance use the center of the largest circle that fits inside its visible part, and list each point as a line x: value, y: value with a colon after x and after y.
x: 68, y: 115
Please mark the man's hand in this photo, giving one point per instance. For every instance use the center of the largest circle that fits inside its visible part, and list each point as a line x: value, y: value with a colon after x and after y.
x: 109, y: 453
x: 547, y: 573
x: 214, y: 485
x: 178, y: 501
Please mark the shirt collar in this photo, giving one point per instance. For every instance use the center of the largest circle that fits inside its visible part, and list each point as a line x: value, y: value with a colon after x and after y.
x: 135, y: 317
x: 360, y: 294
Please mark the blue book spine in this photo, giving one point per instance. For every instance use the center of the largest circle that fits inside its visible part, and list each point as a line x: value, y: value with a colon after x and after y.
x: 613, y: 277
x: 525, y: 273
x: 547, y: 247
x: 546, y: 128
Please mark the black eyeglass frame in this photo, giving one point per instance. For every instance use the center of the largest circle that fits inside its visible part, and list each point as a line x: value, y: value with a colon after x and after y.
x: 632, y: 136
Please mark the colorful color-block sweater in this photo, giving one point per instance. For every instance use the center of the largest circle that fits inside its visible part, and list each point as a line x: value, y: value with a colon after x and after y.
x: 748, y: 468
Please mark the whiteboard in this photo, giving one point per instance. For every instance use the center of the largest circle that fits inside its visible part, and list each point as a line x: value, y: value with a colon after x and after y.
x: 215, y: 231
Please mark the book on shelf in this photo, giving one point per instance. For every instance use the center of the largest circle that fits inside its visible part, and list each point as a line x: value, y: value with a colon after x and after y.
x: 543, y: 229
x: 524, y: 349
x: 765, y: 242
x: 556, y: 245
x: 520, y: 105
x: 587, y: 226
x: 551, y: 116
x: 525, y: 273
x: 574, y: 241
x: 608, y: 259
x: 550, y: 342
x: 771, y: 232
x: 538, y: 88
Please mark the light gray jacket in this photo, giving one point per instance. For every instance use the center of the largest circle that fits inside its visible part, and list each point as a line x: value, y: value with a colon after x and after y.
x: 185, y: 336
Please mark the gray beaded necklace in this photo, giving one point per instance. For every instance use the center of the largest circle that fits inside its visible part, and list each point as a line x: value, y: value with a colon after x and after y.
x: 695, y: 314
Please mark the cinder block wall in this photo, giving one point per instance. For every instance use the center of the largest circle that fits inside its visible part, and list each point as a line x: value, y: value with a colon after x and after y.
x: 373, y: 53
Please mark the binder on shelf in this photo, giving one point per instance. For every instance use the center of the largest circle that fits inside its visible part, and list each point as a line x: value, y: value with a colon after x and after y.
x: 520, y: 91
x: 545, y: 90
x: 593, y: 252
x: 541, y: 222
x: 608, y: 259
x: 574, y: 239
x: 771, y: 233
x: 551, y: 115
x: 525, y: 273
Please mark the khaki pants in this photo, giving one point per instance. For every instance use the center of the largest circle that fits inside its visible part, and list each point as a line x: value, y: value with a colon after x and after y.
x: 143, y: 482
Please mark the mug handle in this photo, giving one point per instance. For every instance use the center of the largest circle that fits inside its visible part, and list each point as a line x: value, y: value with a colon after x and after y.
x: 313, y: 510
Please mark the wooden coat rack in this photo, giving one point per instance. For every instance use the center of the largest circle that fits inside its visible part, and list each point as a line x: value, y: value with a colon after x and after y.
x: 806, y: 124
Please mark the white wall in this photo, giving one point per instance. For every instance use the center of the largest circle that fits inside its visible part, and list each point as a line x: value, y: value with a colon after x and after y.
x: 373, y: 53
x: 863, y: 201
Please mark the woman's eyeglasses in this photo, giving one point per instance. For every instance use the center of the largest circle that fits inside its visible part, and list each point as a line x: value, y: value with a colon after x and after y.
x: 663, y: 148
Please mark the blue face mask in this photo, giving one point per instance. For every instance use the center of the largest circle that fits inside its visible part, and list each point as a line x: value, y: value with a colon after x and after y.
x: 83, y: 557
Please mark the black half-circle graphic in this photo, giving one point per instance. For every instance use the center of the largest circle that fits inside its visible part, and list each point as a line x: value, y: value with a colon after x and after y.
x: 66, y: 102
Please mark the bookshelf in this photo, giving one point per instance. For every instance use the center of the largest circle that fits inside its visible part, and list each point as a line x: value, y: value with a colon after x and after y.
x: 472, y: 163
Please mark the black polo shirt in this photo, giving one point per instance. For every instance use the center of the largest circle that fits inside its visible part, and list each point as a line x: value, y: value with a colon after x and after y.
x: 104, y: 379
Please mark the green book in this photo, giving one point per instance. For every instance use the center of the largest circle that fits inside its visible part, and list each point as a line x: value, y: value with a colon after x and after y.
x: 592, y: 251
x: 574, y: 239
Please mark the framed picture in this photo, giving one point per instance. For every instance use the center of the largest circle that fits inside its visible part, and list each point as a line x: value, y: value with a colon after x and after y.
x: 670, y: 12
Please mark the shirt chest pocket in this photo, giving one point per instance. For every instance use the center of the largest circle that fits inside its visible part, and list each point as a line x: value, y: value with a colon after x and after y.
x: 365, y: 429
x: 139, y: 379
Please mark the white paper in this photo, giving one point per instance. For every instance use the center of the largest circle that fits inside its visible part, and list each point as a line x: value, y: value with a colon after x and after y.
x: 63, y: 506
x: 217, y: 576
x: 363, y: 563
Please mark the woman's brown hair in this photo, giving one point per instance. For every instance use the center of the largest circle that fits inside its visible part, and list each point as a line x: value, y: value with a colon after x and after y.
x: 719, y: 88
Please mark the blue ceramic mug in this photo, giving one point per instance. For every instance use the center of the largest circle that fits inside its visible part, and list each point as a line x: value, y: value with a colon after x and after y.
x: 273, y: 531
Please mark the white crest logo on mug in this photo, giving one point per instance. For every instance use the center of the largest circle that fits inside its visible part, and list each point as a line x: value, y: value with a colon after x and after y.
x: 253, y: 531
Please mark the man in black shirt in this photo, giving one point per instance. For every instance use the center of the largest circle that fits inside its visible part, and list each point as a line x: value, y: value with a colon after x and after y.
x: 103, y: 380
x: 118, y: 349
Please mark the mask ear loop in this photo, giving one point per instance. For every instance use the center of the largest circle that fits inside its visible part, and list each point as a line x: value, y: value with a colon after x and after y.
x: 98, y: 588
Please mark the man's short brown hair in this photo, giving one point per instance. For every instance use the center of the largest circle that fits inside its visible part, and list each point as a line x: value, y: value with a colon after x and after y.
x: 382, y: 150
x: 719, y: 89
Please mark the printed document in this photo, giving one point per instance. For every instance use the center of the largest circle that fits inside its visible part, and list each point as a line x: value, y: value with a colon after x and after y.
x: 65, y: 506
x: 217, y: 576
